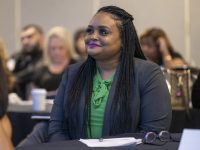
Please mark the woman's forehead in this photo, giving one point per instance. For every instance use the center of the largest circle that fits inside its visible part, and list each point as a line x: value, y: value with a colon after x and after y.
x: 103, y: 19
x: 147, y: 41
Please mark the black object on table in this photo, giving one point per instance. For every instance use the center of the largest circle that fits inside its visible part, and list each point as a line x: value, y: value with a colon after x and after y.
x: 76, y: 145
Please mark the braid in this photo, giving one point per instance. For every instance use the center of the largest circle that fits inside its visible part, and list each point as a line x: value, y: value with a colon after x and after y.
x: 121, y: 112
x: 82, y: 80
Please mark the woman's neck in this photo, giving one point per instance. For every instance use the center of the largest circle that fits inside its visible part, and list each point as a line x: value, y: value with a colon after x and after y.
x: 107, y: 68
x: 57, y: 68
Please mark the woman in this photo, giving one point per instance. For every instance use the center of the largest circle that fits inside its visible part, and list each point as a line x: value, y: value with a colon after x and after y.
x: 157, y: 48
x: 115, y: 90
x: 5, y: 126
x: 60, y: 53
x: 7, y: 84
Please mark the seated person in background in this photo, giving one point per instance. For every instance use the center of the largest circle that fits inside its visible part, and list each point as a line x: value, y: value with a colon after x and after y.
x: 79, y: 44
x: 157, y: 48
x: 11, y: 80
x: 115, y: 90
x: 5, y: 126
x: 196, y: 93
x: 60, y: 54
x: 26, y: 62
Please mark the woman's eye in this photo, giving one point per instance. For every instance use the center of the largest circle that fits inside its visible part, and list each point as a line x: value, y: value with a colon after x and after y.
x: 89, y: 31
x: 103, y: 32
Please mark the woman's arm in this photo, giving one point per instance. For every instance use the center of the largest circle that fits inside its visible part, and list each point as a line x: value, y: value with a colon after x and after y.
x: 168, y: 61
x: 5, y: 122
x: 155, y: 100
x: 5, y: 134
x: 56, y: 131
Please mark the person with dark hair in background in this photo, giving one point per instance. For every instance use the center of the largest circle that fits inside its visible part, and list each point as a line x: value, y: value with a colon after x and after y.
x: 157, y: 48
x: 26, y: 62
x: 5, y: 126
x: 60, y: 54
x: 115, y: 90
x: 79, y: 44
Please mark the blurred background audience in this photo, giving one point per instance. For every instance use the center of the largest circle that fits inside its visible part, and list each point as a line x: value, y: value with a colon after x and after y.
x: 25, y: 63
x: 59, y: 54
x: 79, y: 44
x: 11, y: 80
x: 5, y: 126
x: 157, y: 48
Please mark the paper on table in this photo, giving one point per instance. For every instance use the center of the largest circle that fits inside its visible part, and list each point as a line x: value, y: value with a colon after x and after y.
x: 190, y: 139
x: 112, y: 142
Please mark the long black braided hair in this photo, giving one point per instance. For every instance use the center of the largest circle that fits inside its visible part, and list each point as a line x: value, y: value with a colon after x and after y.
x: 120, y: 111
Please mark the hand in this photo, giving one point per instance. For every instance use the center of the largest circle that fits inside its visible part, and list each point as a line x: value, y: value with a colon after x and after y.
x: 164, y: 50
x: 163, y: 46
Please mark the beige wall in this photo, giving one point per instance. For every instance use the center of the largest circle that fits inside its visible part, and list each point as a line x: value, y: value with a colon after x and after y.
x: 195, y: 31
x: 48, y: 13
x: 7, y: 26
x: 73, y: 14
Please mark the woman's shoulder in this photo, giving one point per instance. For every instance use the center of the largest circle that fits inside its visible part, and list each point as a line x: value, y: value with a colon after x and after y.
x: 70, y: 73
x: 72, y: 69
x: 144, y: 65
x: 147, y: 74
x: 146, y: 70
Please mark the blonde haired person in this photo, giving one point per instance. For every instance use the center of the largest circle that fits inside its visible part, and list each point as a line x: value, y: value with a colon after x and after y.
x: 59, y: 54
x: 5, y: 82
x: 4, y: 57
x: 64, y: 35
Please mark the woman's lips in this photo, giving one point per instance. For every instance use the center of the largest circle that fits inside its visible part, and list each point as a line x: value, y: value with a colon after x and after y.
x: 93, y: 45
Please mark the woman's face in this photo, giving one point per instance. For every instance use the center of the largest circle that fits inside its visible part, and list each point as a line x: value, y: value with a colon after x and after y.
x: 150, y: 50
x: 102, y: 39
x: 80, y: 44
x: 57, y: 51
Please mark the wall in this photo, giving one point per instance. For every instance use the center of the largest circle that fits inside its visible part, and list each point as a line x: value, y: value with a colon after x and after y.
x: 7, y: 25
x: 170, y: 15
x: 195, y: 32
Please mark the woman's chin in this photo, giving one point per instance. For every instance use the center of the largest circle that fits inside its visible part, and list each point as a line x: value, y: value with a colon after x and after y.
x: 58, y: 62
x: 93, y: 52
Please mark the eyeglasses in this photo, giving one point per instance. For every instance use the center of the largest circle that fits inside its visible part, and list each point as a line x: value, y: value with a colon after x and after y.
x: 159, y: 139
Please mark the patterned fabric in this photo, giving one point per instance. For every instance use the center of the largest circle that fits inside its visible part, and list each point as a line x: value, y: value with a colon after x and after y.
x: 100, y: 89
x: 99, y: 99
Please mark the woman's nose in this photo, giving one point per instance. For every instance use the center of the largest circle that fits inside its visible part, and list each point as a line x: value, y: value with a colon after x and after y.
x: 94, y: 35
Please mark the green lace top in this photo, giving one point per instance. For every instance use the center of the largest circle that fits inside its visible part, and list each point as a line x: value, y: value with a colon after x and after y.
x: 100, y: 94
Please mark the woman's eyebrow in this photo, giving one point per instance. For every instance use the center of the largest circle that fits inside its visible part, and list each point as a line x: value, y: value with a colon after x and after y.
x: 103, y: 27
x: 90, y: 26
x: 100, y: 27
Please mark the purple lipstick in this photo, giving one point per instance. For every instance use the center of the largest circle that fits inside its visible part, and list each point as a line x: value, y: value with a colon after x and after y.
x: 93, y: 45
